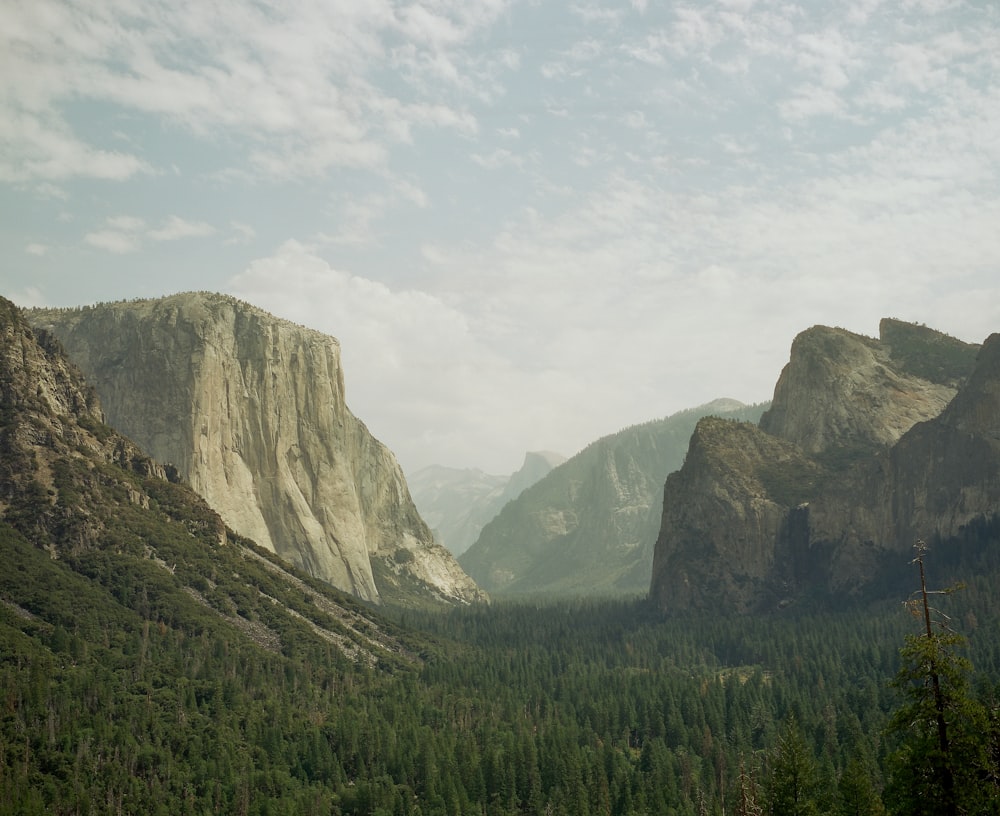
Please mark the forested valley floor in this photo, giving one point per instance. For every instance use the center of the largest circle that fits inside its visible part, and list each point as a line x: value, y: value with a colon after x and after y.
x: 111, y: 702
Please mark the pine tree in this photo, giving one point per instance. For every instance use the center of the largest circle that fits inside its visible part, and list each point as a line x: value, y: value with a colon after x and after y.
x: 792, y: 782
x: 941, y: 767
x: 856, y: 794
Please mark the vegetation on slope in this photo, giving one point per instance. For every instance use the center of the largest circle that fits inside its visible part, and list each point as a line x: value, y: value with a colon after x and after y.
x: 153, y: 663
x: 125, y: 695
x: 590, y: 525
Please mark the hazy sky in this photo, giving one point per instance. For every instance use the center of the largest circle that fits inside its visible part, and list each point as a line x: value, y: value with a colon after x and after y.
x: 530, y: 224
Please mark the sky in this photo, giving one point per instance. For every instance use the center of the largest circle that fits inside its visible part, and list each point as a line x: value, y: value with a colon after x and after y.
x: 530, y: 224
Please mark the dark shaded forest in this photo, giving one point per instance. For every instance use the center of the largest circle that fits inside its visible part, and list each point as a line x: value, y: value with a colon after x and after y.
x: 121, y: 695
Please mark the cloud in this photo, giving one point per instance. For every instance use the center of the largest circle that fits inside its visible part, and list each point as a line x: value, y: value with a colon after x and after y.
x: 176, y: 228
x: 242, y: 233
x: 37, y: 148
x: 399, y: 347
x: 809, y: 101
x: 126, y: 223
x: 124, y: 234
x: 294, y: 84
x: 360, y: 220
x: 498, y: 158
x: 36, y: 249
x: 114, y: 241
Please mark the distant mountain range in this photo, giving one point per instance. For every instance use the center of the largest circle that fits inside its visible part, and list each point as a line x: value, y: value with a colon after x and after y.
x: 589, y: 526
x: 867, y: 445
x: 458, y: 502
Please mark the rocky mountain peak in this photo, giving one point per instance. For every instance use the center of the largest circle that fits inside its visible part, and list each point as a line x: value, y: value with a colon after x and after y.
x: 869, y: 444
x: 976, y: 408
x: 251, y: 411
x: 842, y: 390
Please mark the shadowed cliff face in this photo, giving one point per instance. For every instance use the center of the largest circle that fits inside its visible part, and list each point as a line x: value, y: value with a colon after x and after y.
x: 251, y: 411
x: 589, y: 526
x: 869, y: 445
x: 55, y: 487
x: 722, y: 514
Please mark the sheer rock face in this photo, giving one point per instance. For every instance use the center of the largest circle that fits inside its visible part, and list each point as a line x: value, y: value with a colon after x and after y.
x: 721, y: 518
x: 869, y: 445
x: 840, y: 389
x: 590, y: 525
x: 251, y: 411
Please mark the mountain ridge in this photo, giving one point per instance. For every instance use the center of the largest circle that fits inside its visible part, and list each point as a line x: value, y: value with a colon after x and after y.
x: 837, y: 480
x: 458, y: 502
x: 590, y: 524
x: 251, y: 410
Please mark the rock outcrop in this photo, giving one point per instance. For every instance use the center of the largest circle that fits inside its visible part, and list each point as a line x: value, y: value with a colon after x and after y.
x: 97, y: 537
x: 589, y: 526
x: 56, y: 453
x: 458, y: 502
x: 251, y: 411
x: 868, y: 445
x: 843, y: 390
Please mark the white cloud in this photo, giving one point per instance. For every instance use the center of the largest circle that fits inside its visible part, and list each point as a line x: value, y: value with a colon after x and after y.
x: 242, y: 233
x: 124, y: 234
x: 399, y: 346
x: 498, y: 158
x: 809, y: 101
x: 291, y: 82
x: 33, y: 149
x: 127, y: 223
x: 176, y: 228
x: 595, y: 13
x: 113, y: 241
x: 51, y: 191
x: 359, y: 221
x: 635, y: 120
x: 36, y: 249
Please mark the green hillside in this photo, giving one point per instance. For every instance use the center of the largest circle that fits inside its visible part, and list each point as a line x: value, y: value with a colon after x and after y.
x: 151, y: 662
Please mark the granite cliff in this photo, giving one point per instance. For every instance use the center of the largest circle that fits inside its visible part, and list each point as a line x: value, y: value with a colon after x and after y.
x: 93, y: 530
x: 250, y: 410
x: 868, y: 445
x: 589, y: 525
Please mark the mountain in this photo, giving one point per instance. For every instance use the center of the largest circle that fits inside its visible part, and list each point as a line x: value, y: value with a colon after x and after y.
x: 869, y: 444
x: 250, y: 410
x: 589, y: 526
x: 152, y: 660
x: 458, y: 502
x: 83, y: 510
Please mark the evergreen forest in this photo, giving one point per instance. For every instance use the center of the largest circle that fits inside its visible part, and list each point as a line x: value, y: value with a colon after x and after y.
x: 123, y: 694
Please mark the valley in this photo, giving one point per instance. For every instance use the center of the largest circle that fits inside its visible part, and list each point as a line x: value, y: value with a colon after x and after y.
x: 154, y: 659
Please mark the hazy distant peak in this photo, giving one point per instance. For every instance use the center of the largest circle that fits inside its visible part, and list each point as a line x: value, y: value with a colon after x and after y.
x: 723, y: 405
x: 550, y: 458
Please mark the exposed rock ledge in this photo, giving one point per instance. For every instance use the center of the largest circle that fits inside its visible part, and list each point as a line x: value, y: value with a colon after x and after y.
x: 251, y: 411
